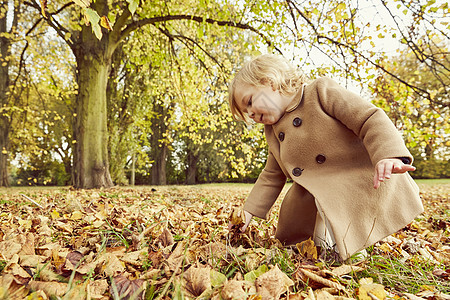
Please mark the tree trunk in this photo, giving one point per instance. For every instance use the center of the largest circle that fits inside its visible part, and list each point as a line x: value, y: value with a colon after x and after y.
x: 91, y: 165
x: 5, y: 44
x: 159, y: 148
x: 4, y: 147
x: 159, y: 175
x: 191, y: 176
x: 133, y: 169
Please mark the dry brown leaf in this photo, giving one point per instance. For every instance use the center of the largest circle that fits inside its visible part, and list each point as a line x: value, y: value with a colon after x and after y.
x: 166, y: 238
x: 31, y: 260
x: 236, y: 217
x: 111, y: 265
x: 346, y: 269
x: 134, y: 258
x: 197, y: 281
x: 97, y: 288
x: 297, y: 296
x: 56, y: 289
x: 413, y: 297
x: 127, y: 289
x: 176, y: 257
x: 9, y: 285
x: 27, y: 242
x: 321, y: 280
x: 8, y: 248
x: 233, y: 290
x: 16, y: 270
x: 272, y: 284
x: 323, y: 295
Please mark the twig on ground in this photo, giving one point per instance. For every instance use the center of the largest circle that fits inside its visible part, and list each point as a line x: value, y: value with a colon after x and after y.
x: 31, y: 200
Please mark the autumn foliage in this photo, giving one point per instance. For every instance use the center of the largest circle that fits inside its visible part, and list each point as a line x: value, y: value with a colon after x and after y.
x: 174, y: 243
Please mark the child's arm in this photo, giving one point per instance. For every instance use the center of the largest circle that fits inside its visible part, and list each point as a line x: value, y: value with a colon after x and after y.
x: 386, y: 167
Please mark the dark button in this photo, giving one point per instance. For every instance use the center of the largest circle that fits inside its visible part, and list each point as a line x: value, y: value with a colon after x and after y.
x: 321, y: 158
x: 297, y: 172
x: 281, y: 136
x: 297, y: 122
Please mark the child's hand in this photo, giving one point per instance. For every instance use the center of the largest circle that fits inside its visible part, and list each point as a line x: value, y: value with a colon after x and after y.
x: 388, y: 166
x: 248, y: 217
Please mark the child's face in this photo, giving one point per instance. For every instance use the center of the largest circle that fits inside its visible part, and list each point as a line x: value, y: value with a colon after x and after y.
x: 262, y: 104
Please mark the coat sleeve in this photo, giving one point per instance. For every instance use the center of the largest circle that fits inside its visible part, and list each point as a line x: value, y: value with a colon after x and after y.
x: 266, y: 189
x: 370, y: 123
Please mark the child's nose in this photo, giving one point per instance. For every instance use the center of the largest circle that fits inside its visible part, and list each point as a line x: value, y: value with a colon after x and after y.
x: 251, y: 114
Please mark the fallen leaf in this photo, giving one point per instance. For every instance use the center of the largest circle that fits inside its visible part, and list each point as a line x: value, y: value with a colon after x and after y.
x: 9, y: 285
x: 368, y: 289
x: 252, y: 275
x: 272, y: 284
x: 236, y: 217
x: 166, y: 238
x: 197, y: 281
x: 98, y: 288
x: 346, y: 269
x: 111, y: 265
x: 323, y: 295
x: 308, y: 249
x: 323, y: 281
x: 8, y: 248
x: 217, y: 278
x: 233, y: 290
x: 51, y: 289
x: 123, y: 288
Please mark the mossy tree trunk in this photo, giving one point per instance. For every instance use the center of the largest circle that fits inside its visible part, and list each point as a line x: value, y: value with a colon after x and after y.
x: 191, y: 172
x: 159, y: 148
x: 5, y: 49
x: 91, y: 164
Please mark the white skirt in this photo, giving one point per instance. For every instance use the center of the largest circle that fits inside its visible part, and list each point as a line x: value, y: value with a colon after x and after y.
x: 323, y: 234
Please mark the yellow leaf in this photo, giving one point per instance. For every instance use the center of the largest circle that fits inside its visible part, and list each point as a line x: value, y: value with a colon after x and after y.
x: 368, y: 289
x: 308, y: 249
x: 54, y: 214
x: 25, y: 224
x: 76, y: 215
x: 386, y: 248
x: 104, y: 22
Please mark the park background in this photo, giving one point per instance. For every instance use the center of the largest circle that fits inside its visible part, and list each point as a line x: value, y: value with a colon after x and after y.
x: 101, y: 93
x: 97, y: 95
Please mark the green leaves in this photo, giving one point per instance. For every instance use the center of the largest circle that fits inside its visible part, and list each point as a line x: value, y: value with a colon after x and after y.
x: 132, y: 6
x: 93, y: 18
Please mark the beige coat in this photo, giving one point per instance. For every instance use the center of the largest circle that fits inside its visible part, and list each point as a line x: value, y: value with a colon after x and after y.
x: 328, y: 142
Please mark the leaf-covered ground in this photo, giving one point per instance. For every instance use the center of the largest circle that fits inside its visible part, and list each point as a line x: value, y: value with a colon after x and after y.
x: 173, y: 243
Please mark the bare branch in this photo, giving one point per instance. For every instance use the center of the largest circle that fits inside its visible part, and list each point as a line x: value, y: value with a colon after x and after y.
x: 60, y: 30
x: 133, y: 26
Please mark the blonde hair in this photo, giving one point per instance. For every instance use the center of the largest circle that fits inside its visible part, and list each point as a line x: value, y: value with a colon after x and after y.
x: 265, y: 70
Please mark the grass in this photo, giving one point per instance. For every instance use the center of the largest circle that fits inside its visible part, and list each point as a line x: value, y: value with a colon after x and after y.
x: 394, y: 272
x: 412, y: 276
x: 432, y: 181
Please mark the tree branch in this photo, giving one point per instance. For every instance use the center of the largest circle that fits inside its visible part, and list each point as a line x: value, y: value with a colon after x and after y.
x: 60, y: 30
x: 133, y: 26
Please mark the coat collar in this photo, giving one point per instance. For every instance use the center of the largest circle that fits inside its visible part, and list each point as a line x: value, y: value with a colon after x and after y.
x: 297, y: 99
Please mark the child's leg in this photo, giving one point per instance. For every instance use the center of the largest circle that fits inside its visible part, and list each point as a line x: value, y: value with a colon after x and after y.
x: 297, y: 217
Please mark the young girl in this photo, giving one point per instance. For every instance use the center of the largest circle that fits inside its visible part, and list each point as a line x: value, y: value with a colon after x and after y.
x: 338, y: 149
